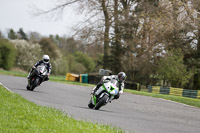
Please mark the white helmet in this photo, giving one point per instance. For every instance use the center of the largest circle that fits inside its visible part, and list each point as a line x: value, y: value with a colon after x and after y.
x: 45, y: 59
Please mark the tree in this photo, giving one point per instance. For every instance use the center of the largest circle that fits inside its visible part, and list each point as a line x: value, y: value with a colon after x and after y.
x: 136, y: 35
x: 34, y: 37
x: 22, y: 34
x: 90, y: 29
x: 28, y: 53
x: 12, y: 35
x: 1, y: 35
x: 86, y: 61
x: 106, y: 33
x: 196, y: 4
x: 172, y: 69
x: 7, y: 54
x: 49, y: 48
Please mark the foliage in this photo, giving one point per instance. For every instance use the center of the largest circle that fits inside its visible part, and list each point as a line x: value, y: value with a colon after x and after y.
x: 68, y: 45
x: 74, y: 66
x: 27, y: 53
x: 1, y: 35
x: 172, y: 69
x: 22, y: 34
x: 58, y: 60
x: 34, y: 37
x: 60, y: 66
x: 7, y: 54
x: 12, y: 35
x: 49, y: 48
x: 133, y: 36
x: 86, y: 61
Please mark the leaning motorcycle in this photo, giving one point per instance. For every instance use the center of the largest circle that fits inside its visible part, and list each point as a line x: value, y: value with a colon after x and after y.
x: 40, y: 73
x: 104, y: 94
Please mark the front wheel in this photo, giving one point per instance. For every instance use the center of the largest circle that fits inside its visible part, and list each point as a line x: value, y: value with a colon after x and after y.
x: 28, y: 87
x: 35, y: 83
x: 102, y: 102
x: 90, y: 105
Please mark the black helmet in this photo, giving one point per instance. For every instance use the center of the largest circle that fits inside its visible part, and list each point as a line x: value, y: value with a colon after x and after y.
x: 121, y: 76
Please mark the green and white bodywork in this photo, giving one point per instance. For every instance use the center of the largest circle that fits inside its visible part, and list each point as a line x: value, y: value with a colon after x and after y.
x: 104, y: 94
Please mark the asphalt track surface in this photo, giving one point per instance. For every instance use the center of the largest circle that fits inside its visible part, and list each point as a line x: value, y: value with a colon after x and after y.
x: 133, y: 113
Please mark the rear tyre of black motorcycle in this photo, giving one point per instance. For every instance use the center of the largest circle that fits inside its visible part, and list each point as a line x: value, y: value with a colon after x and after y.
x: 101, y: 102
x: 90, y: 105
x: 35, y: 83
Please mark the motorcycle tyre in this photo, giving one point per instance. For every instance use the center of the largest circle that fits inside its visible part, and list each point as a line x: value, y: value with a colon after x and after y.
x: 35, y: 83
x: 90, y: 105
x: 28, y: 87
x: 101, y: 102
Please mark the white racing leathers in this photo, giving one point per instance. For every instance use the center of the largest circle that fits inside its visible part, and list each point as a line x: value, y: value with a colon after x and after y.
x: 114, y: 77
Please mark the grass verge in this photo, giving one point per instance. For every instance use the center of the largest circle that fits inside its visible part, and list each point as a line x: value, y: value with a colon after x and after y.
x: 185, y: 100
x: 19, y: 115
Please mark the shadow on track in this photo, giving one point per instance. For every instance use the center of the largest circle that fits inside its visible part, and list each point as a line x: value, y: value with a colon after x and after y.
x: 94, y: 109
x: 24, y: 89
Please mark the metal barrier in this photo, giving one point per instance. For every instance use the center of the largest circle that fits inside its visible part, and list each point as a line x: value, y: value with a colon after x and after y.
x: 174, y: 91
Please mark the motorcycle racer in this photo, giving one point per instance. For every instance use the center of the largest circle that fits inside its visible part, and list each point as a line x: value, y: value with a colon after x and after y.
x: 120, y: 77
x: 46, y: 61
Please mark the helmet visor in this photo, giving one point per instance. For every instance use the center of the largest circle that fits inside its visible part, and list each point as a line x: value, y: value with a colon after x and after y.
x: 121, y: 78
x: 46, y: 60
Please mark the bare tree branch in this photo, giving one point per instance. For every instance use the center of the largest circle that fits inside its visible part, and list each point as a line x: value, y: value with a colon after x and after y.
x: 58, y: 7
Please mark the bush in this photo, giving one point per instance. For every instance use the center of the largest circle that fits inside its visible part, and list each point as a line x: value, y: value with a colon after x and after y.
x: 49, y: 48
x: 86, y: 61
x: 28, y: 53
x: 7, y: 54
x: 59, y: 66
x: 172, y: 68
x: 74, y: 66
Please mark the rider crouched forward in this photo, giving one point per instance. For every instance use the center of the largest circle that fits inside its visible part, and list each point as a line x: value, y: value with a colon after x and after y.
x: 121, y: 77
x: 46, y: 61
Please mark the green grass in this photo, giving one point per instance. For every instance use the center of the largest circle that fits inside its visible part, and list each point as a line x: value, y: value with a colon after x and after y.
x: 185, y: 100
x: 21, y: 116
x: 13, y: 73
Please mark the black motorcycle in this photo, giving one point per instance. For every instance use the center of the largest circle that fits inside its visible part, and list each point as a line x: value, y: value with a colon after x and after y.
x: 39, y: 74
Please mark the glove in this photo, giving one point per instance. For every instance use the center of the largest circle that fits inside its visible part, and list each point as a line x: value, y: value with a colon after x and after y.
x: 120, y: 92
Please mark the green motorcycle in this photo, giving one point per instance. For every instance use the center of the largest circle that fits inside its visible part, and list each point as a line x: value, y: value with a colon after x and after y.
x: 103, y: 95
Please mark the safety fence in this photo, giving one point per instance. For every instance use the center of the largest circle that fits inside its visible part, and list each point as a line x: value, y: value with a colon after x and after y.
x: 174, y: 91
x: 83, y: 78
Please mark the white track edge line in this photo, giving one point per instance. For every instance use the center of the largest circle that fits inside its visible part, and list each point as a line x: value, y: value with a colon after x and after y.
x: 6, y: 87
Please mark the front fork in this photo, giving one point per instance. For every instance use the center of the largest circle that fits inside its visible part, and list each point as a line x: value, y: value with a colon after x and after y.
x: 94, y: 99
x: 95, y: 94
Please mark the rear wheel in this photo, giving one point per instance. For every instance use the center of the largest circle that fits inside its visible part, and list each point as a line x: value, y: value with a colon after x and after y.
x: 102, y: 102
